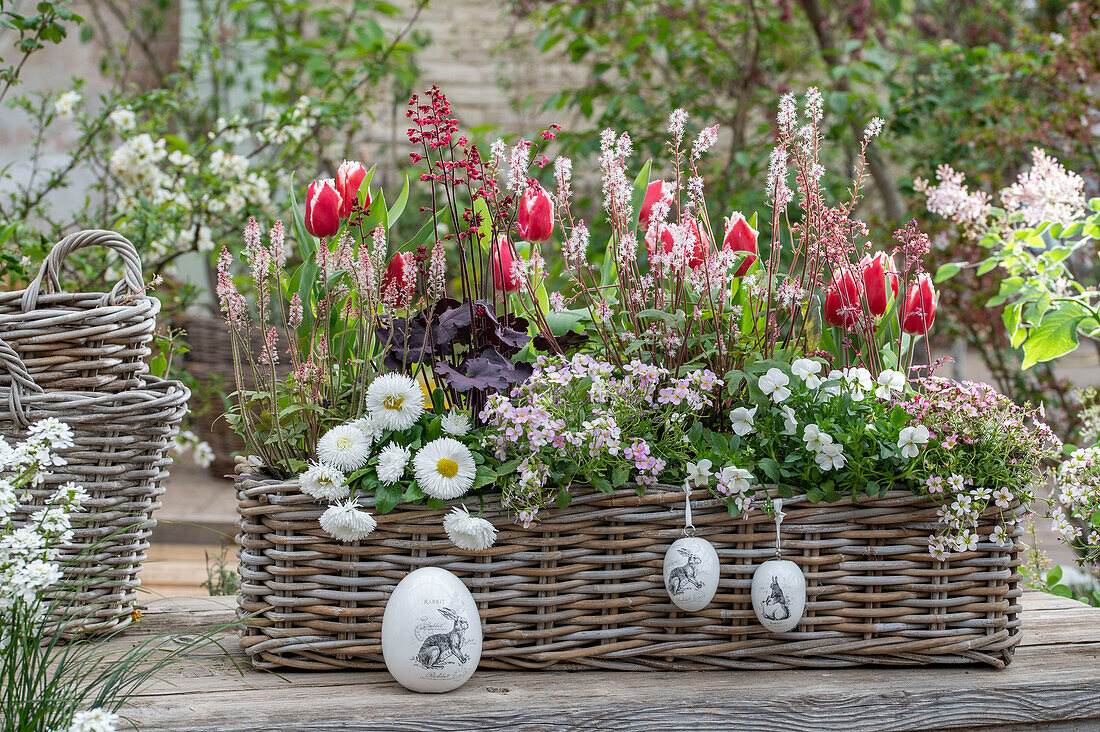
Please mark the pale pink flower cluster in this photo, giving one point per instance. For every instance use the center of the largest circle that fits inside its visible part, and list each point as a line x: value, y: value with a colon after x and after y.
x: 1046, y: 192
x: 952, y: 199
x: 1079, y: 494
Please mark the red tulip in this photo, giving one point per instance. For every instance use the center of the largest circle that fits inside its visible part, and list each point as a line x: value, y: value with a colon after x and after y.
x: 658, y: 190
x: 842, y: 301
x: 502, y: 261
x: 399, y: 279
x: 348, y: 179
x: 919, y: 309
x: 878, y: 271
x: 535, y: 219
x: 700, y: 244
x: 323, y: 204
x: 740, y: 237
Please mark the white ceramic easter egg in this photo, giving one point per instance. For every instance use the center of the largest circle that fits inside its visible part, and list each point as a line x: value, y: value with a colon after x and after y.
x: 431, y: 632
x: 691, y: 573
x: 779, y: 594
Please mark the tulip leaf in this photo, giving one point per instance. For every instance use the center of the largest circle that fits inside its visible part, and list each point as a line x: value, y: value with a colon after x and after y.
x: 484, y: 224
x: 398, y: 207
x: 1055, y: 336
x: 641, y: 183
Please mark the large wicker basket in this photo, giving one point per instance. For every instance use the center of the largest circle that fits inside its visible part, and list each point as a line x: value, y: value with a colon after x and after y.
x: 81, y: 341
x: 583, y: 588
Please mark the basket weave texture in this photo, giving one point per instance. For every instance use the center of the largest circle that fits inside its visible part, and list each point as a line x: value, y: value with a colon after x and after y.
x: 85, y: 368
x: 583, y: 588
x: 81, y: 341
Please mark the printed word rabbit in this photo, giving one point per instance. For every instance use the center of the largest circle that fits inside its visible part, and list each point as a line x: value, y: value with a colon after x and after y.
x: 441, y: 646
x: 685, y: 573
x: 775, y: 605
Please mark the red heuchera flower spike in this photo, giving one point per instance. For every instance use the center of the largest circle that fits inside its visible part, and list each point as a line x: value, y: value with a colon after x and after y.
x: 535, y: 219
x: 879, y: 274
x: 658, y: 190
x: 348, y: 180
x: 323, y: 204
x: 503, y: 264
x: 842, y: 301
x: 919, y: 308
x: 740, y: 237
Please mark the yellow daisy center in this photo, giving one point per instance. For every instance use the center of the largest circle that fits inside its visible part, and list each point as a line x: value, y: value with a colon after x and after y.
x: 393, y: 402
x: 343, y: 443
x: 447, y: 468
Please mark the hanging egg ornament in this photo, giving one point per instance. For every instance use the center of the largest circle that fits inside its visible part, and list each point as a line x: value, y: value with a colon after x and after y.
x: 691, y: 573
x: 778, y: 587
x: 431, y: 632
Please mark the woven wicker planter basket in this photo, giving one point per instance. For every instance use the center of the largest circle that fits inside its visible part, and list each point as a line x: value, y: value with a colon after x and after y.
x: 82, y: 341
x: 583, y: 588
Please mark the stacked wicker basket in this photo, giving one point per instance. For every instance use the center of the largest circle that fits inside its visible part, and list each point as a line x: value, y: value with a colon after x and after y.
x: 82, y: 358
x: 583, y: 588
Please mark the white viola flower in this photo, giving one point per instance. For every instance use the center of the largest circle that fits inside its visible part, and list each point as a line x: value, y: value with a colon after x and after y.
x: 395, y: 401
x: 790, y: 420
x: 859, y: 382
x: 816, y: 440
x: 471, y: 533
x: 831, y: 457
x: 456, y: 423
x: 94, y: 720
x: 344, y: 447
x: 742, y: 420
x: 324, y: 482
x: 444, y: 468
x: 346, y: 522
x: 392, y: 462
x: 774, y: 384
x: 808, y: 369
x: 736, y: 479
x: 698, y: 474
x: 889, y: 381
x: 911, y: 438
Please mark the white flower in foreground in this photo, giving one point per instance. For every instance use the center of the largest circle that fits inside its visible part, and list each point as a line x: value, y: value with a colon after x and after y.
x: 815, y: 439
x: 65, y: 103
x: 790, y: 420
x: 698, y: 474
x: 859, y: 382
x: 774, y: 384
x: 831, y: 457
x: 911, y: 438
x: 444, y: 468
x: 369, y: 426
x: 344, y: 447
x: 391, y: 463
x: 123, y: 119
x: 395, y: 401
x: 344, y: 521
x: 471, y: 533
x: 94, y: 720
x: 737, y: 480
x: 456, y: 423
x: 889, y: 381
x: 324, y: 482
x: 999, y: 536
x: 807, y: 369
x: 742, y: 419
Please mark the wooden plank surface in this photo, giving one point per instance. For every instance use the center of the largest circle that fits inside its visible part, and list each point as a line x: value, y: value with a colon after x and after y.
x: 1054, y: 680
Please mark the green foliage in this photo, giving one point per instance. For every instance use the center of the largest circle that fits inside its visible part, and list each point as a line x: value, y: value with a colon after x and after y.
x: 221, y: 579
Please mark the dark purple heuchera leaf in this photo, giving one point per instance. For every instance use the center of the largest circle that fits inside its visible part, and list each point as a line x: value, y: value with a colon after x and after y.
x: 569, y: 342
x: 488, y: 370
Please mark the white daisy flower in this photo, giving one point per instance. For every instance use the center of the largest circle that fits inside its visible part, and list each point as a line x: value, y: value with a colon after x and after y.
x: 888, y: 382
x: 325, y: 482
x: 395, y: 401
x: 444, y: 468
x: 346, y: 522
x: 742, y: 420
x: 698, y: 474
x: 911, y: 438
x: 471, y: 533
x: 391, y: 463
x: 94, y: 720
x: 344, y: 447
x: 774, y: 384
x: 456, y: 423
x: 368, y: 425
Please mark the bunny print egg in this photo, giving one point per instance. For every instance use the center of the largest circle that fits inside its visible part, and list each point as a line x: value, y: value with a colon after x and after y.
x: 431, y: 632
x: 691, y: 573
x: 779, y: 594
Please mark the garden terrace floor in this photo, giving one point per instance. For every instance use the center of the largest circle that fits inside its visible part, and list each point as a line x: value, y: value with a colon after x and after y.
x: 1053, y: 683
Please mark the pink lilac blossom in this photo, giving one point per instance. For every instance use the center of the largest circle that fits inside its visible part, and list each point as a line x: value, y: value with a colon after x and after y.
x: 1046, y: 192
x: 952, y: 199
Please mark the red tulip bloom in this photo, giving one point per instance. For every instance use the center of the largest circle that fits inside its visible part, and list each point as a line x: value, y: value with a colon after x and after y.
x: 919, y: 308
x: 535, y: 218
x: 658, y: 190
x: 842, y: 300
x: 399, y: 280
x: 879, y: 275
x: 503, y: 263
x: 323, y: 204
x: 740, y: 237
x: 663, y: 234
x: 348, y: 180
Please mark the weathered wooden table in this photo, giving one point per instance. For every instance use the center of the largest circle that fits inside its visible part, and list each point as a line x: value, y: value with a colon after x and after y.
x: 1054, y: 683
